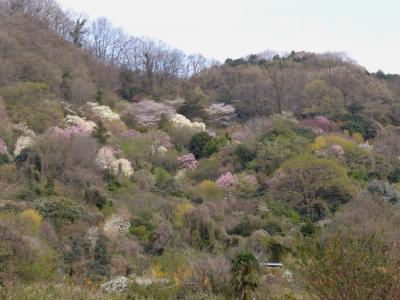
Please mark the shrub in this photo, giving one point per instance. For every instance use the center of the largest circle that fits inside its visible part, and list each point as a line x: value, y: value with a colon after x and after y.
x: 209, y: 191
x: 58, y: 210
x: 330, y: 269
x: 313, y: 186
x: 100, y: 266
x: 226, y: 181
x: 244, y: 155
x: 32, y: 103
x: 207, y: 168
x: 198, y: 144
x: 164, y: 180
x: 41, y: 268
x: 32, y: 215
x: 245, y: 275
x: 95, y: 197
x: 180, y: 211
x: 385, y: 190
x: 359, y: 123
x: 141, y: 227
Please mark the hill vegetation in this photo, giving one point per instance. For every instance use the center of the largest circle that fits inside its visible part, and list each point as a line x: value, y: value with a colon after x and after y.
x: 131, y: 170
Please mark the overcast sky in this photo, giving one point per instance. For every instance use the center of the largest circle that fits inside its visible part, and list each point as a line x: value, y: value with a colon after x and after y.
x: 367, y: 30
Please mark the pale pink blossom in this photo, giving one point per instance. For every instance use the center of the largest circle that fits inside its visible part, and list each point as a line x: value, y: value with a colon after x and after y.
x: 226, y: 180
x: 187, y: 161
x: 319, y: 124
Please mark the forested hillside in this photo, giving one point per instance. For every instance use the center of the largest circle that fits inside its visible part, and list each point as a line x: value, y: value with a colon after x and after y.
x: 131, y: 170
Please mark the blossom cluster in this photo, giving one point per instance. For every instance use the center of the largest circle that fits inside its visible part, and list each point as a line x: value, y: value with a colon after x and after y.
x: 25, y: 140
x: 226, y: 181
x: 158, y: 149
x: 106, y: 160
x: 23, y: 130
x: 180, y: 175
x: 3, y: 147
x: 117, y: 224
x: 103, y: 112
x: 320, y: 124
x: 180, y: 121
x: 366, y: 146
x: 187, y: 161
x: 117, y: 285
x: 22, y: 143
x: 146, y: 281
x: 122, y: 167
x: 220, y: 109
x: 78, y: 125
x: 148, y: 112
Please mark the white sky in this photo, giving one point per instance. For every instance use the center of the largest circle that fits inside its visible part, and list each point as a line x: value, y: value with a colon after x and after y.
x: 367, y: 30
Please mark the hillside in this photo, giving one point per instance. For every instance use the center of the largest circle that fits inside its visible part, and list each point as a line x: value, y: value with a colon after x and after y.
x: 131, y: 170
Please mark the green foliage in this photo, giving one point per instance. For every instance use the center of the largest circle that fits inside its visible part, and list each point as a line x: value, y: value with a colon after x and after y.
x: 244, y: 155
x: 141, y: 227
x: 313, y: 186
x: 41, y: 268
x: 100, y: 133
x: 207, y: 168
x: 58, y: 210
x: 208, y: 191
x: 100, y: 267
x: 320, y: 99
x: 204, y: 145
x: 153, y: 291
x: 275, y: 151
x: 280, y: 209
x: 359, y: 123
x: 308, y: 228
x: 33, y: 104
x: 164, y: 180
x: 245, y: 275
x: 198, y: 144
x: 137, y: 150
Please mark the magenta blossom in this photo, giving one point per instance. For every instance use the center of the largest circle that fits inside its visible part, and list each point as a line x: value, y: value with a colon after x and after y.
x: 226, y: 181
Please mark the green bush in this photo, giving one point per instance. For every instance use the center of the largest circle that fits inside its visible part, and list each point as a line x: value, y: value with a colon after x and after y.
x: 33, y: 104
x: 164, y: 180
x: 360, y: 123
x: 204, y: 145
x: 58, y: 210
x: 208, y: 191
x: 141, y: 227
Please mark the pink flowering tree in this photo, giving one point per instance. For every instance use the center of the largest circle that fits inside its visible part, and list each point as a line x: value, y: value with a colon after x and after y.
x: 226, y: 181
x: 320, y: 122
x: 187, y: 161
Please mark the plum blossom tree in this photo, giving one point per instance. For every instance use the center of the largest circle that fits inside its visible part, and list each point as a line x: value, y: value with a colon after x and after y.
x: 226, y: 181
x: 187, y: 161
